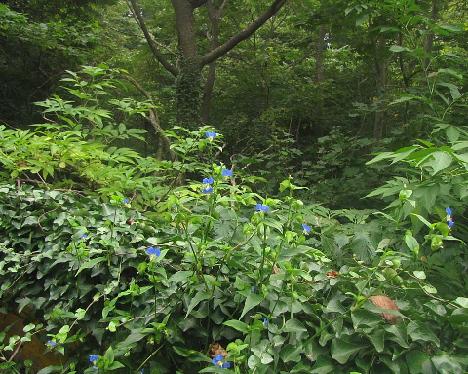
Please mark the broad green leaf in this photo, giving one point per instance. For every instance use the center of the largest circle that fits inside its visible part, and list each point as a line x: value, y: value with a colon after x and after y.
x: 419, y: 274
x: 397, y: 334
x: 417, y: 361
x: 237, y: 325
x: 419, y: 331
x: 252, y: 301
x: 377, y: 340
x: 446, y: 364
x: 323, y: 365
x: 462, y: 301
x: 411, y: 242
x: 90, y: 264
x: 438, y: 161
x: 342, y: 350
x: 294, y: 325
x: 362, y: 317
x: 197, y: 299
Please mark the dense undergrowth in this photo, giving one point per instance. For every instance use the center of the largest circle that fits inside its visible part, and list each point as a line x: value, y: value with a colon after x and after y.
x: 120, y: 262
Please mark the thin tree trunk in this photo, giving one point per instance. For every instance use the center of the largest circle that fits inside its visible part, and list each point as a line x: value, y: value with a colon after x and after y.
x: 380, y: 64
x: 215, y: 17
x: 320, y: 54
x: 429, y: 40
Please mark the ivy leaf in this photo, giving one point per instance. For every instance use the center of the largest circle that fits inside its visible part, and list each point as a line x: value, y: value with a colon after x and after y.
x: 363, y: 317
x: 418, y: 331
x: 197, y: 299
x: 377, y: 340
x: 294, y: 325
x: 398, y: 335
x: 90, y: 264
x: 252, y: 301
x: 418, y: 361
x: 322, y: 366
x: 342, y: 350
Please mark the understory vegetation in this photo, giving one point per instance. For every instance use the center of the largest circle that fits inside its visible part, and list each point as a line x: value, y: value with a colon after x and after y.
x: 306, y: 214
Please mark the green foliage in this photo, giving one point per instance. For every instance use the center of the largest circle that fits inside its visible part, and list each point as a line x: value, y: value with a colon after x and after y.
x: 125, y: 247
x: 279, y: 296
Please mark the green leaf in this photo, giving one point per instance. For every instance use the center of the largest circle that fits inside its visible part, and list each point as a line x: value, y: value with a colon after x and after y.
x: 438, y: 161
x: 377, y: 340
x: 291, y: 353
x: 462, y: 301
x: 422, y: 219
x: 29, y: 327
x: 237, y: 325
x: 399, y: 48
x: 190, y: 354
x: 362, y: 317
x: 90, y: 264
x: 109, y: 354
x: 323, y: 365
x: 418, y: 361
x: 294, y: 325
x: 446, y: 364
x: 419, y: 274
x: 342, y: 350
x: 252, y: 301
x: 418, y: 331
x: 197, y: 299
x: 452, y: 88
x: 398, y: 334
x: 411, y: 242
x: 115, y: 365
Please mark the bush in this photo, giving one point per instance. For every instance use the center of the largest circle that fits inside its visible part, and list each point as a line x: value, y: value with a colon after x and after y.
x: 125, y: 263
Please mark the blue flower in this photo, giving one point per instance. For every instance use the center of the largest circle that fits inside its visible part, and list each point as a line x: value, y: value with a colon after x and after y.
x: 93, y: 358
x: 207, y: 190
x: 209, y: 180
x: 262, y: 208
x: 218, y: 360
x: 152, y: 251
x: 210, y: 134
x: 307, y: 229
x: 51, y: 343
x: 450, y: 223
x: 449, y: 211
x: 265, y: 322
x: 84, y: 236
x: 126, y: 200
x: 226, y: 172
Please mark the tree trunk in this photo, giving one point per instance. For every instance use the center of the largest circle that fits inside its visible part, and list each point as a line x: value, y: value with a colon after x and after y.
x: 429, y: 40
x: 380, y: 64
x: 319, y: 54
x: 188, y: 82
x: 214, y: 16
x: 188, y: 71
x: 188, y: 93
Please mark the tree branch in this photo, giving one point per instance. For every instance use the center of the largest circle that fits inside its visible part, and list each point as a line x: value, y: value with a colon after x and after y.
x: 164, y: 143
x: 244, y: 34
x: 134, y: 8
